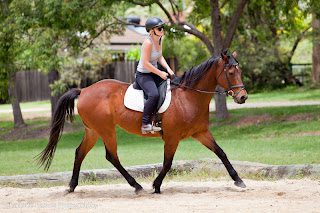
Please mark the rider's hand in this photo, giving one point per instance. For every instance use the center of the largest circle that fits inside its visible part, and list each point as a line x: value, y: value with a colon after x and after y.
x: 172, y: 76
x: 163, y: 75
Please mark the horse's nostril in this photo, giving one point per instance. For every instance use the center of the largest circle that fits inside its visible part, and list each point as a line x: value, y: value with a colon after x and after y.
x: 243, y: 97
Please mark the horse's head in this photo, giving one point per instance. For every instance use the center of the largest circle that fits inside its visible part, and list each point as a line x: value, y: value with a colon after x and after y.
x: 230, y: 77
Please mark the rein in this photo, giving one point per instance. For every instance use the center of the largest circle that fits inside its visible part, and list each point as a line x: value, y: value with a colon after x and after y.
x: 229, y: 91
x: 199, y: 90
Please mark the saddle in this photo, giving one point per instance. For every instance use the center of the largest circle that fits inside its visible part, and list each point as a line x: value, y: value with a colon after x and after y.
x: 134, y: 99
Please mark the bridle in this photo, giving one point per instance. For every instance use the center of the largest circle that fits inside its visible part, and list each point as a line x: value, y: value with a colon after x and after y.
x: 230, y: 91
x: 227, y: 92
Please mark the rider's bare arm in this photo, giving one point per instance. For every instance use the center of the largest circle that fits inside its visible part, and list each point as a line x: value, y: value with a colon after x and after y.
x: 163, y: 62
x: 146, y: 48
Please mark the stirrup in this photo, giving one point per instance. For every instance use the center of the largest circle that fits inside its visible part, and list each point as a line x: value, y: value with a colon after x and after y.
x: 155, y: 128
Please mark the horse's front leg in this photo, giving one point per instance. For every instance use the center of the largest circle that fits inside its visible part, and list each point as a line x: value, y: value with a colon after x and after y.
x: 170, y: 147
x: 207, y: 140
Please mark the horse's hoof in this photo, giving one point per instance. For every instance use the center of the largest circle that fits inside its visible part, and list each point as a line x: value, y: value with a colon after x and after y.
x: 138, y: 189
x: 70, y: 190
x: 240, y: 184
x: 156, y: 192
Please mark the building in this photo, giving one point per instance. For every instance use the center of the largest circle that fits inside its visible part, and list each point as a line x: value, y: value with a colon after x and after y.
x: 133, y: 36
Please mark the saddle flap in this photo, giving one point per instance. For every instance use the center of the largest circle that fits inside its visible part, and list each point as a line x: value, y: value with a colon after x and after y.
x: 135, y: 85
x: 162, y: 88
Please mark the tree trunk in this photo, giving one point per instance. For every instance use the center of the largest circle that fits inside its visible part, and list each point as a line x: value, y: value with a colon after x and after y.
x: 17, y: 115
x: 220, y: 99
x: 234, y: 23
x: 216, y: 27
x: 53, y: 75
x: 316, y: 51
x: 221, y: 104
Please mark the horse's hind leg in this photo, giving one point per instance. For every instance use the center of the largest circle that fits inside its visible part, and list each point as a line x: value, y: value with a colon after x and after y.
x: 207, y: 140
x: 89, y: 139
x: 112, y: 156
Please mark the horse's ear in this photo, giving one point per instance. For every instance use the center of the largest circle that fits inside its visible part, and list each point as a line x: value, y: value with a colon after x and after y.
x: 224, y: 57
x: 225, y: 51
x: 235, y: 54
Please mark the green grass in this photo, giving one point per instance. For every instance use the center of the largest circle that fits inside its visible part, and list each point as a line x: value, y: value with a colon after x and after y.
x: 286, y: 94
x: 277, y: 140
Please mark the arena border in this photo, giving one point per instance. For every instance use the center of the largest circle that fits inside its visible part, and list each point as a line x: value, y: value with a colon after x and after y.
x: 247, y: 169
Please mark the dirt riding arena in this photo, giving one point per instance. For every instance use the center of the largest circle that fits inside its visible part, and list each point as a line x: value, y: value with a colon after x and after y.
x: 259, y: 196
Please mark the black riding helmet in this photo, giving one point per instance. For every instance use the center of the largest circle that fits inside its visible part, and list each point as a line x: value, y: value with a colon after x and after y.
x: 153, y: 22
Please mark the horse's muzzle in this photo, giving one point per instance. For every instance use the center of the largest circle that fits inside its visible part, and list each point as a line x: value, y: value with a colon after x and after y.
x: 243, y: 99
x: 240, y: 97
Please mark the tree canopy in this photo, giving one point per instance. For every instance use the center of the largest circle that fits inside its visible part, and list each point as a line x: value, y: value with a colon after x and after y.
x: 36, y: 34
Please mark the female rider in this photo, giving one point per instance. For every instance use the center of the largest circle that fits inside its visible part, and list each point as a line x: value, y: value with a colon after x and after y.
x: 148, y: 74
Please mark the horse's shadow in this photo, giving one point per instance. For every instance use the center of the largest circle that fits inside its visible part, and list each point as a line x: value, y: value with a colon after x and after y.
x: 147, y: 192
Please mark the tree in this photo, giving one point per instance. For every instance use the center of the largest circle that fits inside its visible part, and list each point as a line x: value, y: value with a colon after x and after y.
x: 216, y: 36
x: 270, y: 31
x: 314, y: 8
x: 315, y: 75
x: 35, y: 34
x: 10, y: 46
x: 64, y: 29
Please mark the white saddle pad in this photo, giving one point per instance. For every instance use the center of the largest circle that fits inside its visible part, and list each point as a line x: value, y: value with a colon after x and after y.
x: 133, y: 99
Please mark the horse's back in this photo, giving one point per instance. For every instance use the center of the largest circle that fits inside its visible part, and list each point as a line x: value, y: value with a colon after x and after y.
x: 101, y: 98
x: 104, y: 88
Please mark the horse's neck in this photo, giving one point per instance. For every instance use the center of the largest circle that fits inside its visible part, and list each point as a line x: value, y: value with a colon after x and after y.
x: 207, y: 83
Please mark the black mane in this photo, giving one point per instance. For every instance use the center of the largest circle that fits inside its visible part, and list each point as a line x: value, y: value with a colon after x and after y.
x: 191, y: 77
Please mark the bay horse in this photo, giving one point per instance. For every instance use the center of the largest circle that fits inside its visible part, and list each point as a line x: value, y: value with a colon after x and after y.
x: 101, y: 108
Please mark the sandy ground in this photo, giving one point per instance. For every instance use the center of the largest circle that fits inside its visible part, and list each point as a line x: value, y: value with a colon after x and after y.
x: 214, y: 196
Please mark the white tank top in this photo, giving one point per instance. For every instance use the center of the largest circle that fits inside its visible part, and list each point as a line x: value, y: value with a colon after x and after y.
x: 154, y: 57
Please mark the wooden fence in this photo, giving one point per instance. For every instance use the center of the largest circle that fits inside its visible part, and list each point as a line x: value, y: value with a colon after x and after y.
x: 34, y: 86
x: 120, y: 70
x: 124, y: 71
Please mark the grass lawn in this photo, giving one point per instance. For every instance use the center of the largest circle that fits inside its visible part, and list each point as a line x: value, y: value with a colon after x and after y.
x: 286, y: 94
x: 283, y: 135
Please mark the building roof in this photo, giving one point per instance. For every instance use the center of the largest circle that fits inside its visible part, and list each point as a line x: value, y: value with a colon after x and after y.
x: 131, y: 37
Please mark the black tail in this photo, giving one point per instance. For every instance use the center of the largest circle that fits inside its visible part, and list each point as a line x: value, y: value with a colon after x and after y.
x: 64, y: 109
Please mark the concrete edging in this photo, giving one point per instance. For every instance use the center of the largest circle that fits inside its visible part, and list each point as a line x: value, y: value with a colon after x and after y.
x: 208, y: 165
